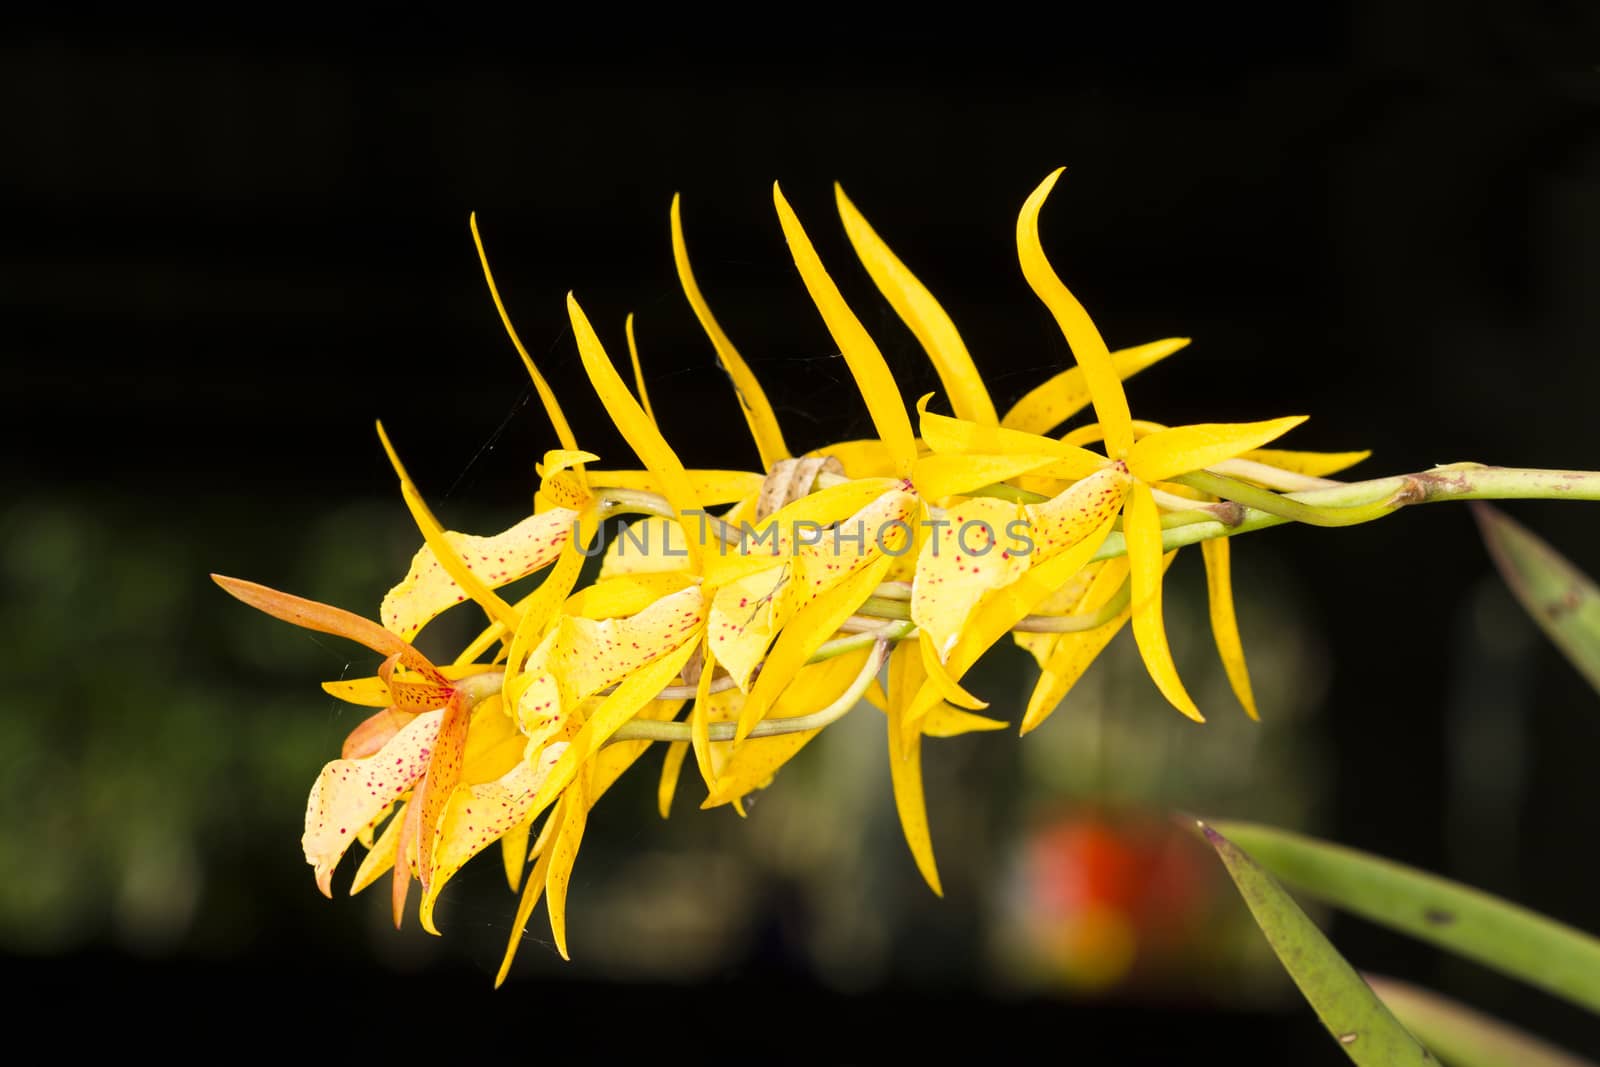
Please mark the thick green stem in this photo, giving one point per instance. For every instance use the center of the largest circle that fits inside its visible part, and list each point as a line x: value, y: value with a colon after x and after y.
x: 1461, y: 481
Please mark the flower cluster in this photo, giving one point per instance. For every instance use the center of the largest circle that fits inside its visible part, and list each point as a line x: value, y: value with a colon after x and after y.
x: 738, y: 613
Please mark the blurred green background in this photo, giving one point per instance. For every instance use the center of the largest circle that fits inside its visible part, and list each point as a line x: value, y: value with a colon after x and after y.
x: 227, y: 254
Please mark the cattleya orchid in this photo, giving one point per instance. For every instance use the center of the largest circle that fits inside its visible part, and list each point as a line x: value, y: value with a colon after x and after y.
x: 739, y: 613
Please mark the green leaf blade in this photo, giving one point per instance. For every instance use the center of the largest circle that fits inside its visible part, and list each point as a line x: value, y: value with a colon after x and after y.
x: 1365, y: 1029
x: 1463, y: 1037
x: 1560, y: 597
x: 1504, y: 936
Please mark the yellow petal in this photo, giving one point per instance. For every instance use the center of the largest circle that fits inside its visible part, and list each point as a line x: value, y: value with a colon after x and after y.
x: 635, y: 691
x: 1182, y: 449
x: 1311, y: 464
x: 1069, y: 655
x: 711, y: 487
x: 905, y: 765
x: 871, y: 373
x: 564, y: 853
x: 541, y: 608
x: 974, y: 550
x: 671, y: 771
x: 1059, y: 398
x: 921, y: 312
x: 809, y: 627
x: 700, y: 717
x: 638, y: 371
x: 945, y: 721
x: 773, y: 540
x: 1092, y: 504
x: 1224, y: 624
x: 1061, y: 522
x: 443, y: 551
x: 860, y: 459
x: 478, y: 815
x: 939, y: 476
x: 651, y: 545
x: 752, y: 401
x: 514, y: 853
x: 428, y: 589
x: 531, y: 892
x: 944, y: 434
x: 580, y: 657
x: 637, y: 429
x: 626, y: 594
x: 615, y: 759
x: 753, y: 764
x: 349, y: 794
x: 546, y: 396
x: 380, y: 858
x: 373, y: 692
x: 1141, y: 525
x: 1088, y: 347
x: 949, y: 689
x: 746, y: 615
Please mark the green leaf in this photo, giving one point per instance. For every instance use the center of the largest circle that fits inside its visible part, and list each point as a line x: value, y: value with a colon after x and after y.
x: 1347, y: 1006
x: 1508, y: 938
x: 1560, y: 597
x: 1463, y: 1037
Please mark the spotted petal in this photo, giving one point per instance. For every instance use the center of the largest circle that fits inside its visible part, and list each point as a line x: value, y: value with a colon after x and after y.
x: 974, y: 551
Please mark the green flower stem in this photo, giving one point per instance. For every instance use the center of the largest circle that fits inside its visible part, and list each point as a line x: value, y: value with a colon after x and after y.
x: 838, y: 646
x: 1279, y: 504
x: 883, y: 608
x: 1462, y: 481
x: 657, y: 730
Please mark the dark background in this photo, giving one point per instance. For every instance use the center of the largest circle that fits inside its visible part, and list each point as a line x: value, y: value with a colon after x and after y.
x: 226, y: 253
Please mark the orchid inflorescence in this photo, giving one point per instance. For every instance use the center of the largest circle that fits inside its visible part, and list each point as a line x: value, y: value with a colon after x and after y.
x: 738, y: 613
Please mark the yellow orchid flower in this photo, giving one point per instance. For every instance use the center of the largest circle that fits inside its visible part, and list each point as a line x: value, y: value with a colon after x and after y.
x: 737, y: 613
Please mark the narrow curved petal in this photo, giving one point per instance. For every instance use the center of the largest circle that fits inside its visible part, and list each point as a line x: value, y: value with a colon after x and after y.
x: 921, y: 312
x: 1088, y: 347
x: 637, y: 429
x: 1311, y: 464
x: 379, y: 860
x: 433, y: 533
x: 871, y: 373
x: 949, y: 689
x: 1141, y: 525
x: 944, y: 434
x: 532, y: 890
x: 1062, y: 396
x: 1224, y: 623
x: 752, y: 400
x: 671, y: 771
x: 1169, y: 453
x: 326, y: 619
x: 905, y: 761
x: 638, y: 370
x: 547, y: 396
